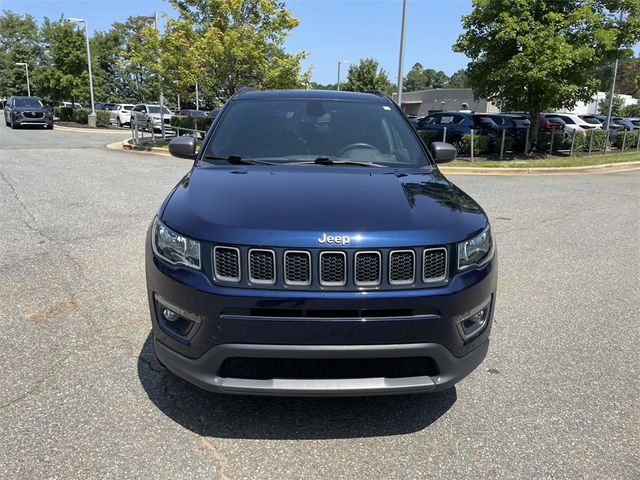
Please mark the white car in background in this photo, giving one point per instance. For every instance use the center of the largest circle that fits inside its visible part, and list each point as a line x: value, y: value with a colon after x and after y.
x: 120, y: 114
x: 148, y: 116
x: 573, y: 122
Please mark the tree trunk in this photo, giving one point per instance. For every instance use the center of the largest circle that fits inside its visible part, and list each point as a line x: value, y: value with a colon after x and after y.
x: 535, y: 127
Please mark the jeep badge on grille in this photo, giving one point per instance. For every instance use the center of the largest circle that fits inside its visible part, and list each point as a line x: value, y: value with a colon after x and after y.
x: 338, y: 239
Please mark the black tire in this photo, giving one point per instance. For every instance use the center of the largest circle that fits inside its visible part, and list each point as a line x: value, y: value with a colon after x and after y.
x: 118, y: 122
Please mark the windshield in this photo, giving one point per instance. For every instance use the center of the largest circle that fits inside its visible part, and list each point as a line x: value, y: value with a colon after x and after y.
x: 302, y: 130
x: 197, y: 113
x: 156, y: 109
x: 591, y: 120
x: 27, y: 102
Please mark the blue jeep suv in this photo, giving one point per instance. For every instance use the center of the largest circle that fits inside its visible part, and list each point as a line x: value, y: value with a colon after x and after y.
x: 314, y: 248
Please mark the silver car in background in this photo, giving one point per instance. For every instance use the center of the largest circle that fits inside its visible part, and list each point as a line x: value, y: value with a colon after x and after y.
x: 148, y: 116
x: 120, y: 114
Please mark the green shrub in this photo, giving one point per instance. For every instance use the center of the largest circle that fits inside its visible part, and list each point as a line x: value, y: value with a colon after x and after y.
x: 599, y: 139
x: 559, y: 141
x: 430, y: 136
x: 64, y: 114
x: 202, y: 124
x: 81, y: 115
x: 480, y: 144
x: 102, y: 118
x: 630, y: 142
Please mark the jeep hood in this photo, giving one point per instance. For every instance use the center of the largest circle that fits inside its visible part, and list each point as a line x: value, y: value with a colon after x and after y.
x: 295, y: 205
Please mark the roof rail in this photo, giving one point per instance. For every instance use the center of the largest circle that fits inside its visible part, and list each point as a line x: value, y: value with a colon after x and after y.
x: 242, y: 90
x: 379, y: 93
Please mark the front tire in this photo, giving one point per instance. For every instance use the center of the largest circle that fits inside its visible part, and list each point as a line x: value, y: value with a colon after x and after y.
x: 118, y: 122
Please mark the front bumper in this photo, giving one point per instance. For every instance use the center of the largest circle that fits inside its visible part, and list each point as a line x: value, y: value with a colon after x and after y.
x: 43, y: 122
x: 274, y: 324
x: 203, y: 371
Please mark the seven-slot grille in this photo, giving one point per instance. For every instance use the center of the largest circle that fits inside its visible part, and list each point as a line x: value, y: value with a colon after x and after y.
x: 318, y: 269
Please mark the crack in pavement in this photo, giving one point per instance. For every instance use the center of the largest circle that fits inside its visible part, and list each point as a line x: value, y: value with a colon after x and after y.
x: 39, y: 382
x: 220, y: 458
x: 68, y: 287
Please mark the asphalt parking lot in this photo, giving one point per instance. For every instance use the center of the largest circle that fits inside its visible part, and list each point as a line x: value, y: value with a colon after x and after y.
x: 82, y: 396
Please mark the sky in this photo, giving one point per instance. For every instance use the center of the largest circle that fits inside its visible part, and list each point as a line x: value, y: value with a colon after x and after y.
x: 329, y: 30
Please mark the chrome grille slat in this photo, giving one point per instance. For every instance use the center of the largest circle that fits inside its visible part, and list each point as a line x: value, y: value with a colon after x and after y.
x: 368, y: 268
x: 402, y: 267
x: 434, y: 265
x: 226, y: 264
x: 262, y: 266
x: 333, y: 268
x: 297, y: 267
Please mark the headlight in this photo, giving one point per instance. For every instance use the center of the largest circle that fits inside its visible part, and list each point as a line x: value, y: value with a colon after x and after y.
x: 173, y: 247
x: 476, y: 251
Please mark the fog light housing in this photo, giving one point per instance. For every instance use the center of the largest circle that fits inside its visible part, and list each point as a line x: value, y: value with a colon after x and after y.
x: 175, y: 321
x: 473, y: 325
x: 169, y: 315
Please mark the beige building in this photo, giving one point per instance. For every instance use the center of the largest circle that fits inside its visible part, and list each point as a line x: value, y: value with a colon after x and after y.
x: 423, y: 102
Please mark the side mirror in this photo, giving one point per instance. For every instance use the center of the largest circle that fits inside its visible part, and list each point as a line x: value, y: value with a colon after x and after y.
x: 443, y: 152
x: 183, y: 147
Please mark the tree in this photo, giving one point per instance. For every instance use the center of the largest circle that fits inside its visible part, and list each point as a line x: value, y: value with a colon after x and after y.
x: 319, y: 86
x: 108, y: 76
x: 139, y: 59
x: 64, y: 75
x: 225, y: 45
x: 631, y: 110
x: 628, y: 76
x: 538, y: 55
x: 459, y: 80
x: 19, y: 42
x: 367, y: 75
x: 419, y: 78
x: 616, y: 109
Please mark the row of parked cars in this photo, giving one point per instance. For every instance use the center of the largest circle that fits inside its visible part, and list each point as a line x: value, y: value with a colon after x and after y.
x: 149, y: 114
x: 582, y: 123
x: 454, y: 125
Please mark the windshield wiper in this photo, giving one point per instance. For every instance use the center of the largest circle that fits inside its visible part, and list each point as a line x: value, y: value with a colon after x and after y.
x: 336, y: 161
x: 238, y: 160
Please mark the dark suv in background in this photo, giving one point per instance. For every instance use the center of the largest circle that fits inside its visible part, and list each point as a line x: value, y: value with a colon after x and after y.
x: 453, y: 125
x: 314, y: 248
x: 514, y: 125
x: 20, y: 111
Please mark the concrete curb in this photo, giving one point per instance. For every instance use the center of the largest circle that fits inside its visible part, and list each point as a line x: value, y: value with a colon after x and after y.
x: 123, y: 146
x: 604, y: 168
x: 62, y: 128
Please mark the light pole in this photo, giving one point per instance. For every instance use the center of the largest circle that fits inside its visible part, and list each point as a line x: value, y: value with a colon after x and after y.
x: 155, y: 24
x: 613, y: 85
x: 92, y: 116
x: 401, y: 59
x: 26, y: 67
x: 340, y: 62
x: 177, y: 84
x: 197, y: 97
